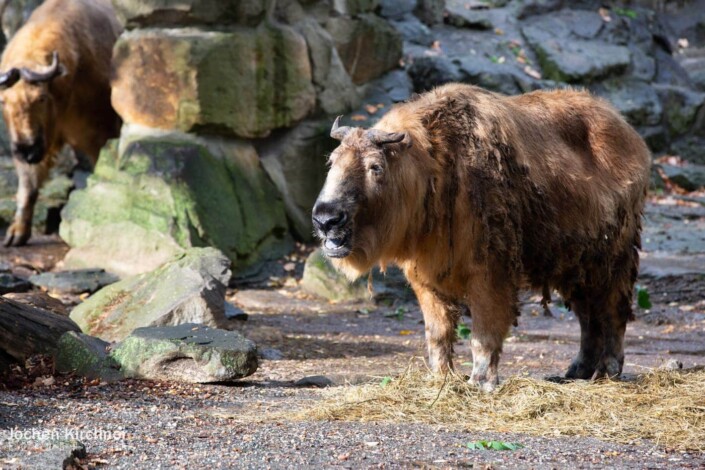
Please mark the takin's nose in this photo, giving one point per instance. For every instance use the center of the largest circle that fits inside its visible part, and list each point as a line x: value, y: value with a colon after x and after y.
x: 326, y: 217
x: 30, y: 153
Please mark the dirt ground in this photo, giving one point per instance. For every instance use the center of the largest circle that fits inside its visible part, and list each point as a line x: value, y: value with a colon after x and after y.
x: 164, y: 425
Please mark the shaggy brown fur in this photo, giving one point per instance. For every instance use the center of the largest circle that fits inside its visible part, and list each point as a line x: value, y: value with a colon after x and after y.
x: 72, y: 107
x: 483, y: 195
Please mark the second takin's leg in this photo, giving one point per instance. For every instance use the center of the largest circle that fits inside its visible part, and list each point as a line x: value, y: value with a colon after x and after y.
x: 31, y: 177
x: 440, y: 319
x: 618, y: 311
x: 494, y: 310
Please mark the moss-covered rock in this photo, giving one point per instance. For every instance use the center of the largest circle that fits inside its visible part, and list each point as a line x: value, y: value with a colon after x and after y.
x: 245, y: 82
x: 368, y: 45
x: 188, y: 288
x: 186, y: 353
x: 322, y: 279
x: 141, y: 13
x: 681, y: 107
x: 86, y: 356
x: 152, y: 196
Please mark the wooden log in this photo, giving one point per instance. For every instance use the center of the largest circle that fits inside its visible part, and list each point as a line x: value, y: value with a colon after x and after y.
x: 27, y: 330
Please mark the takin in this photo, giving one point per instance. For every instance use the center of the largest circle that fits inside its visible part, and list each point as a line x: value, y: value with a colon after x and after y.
x: 55, y: 90
x: 477, y: 195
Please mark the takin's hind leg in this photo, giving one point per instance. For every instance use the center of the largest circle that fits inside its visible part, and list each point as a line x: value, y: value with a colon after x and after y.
x: 440, y: 320
x: 616, y: 314
x: 591, y: 341
x: 494, y: 310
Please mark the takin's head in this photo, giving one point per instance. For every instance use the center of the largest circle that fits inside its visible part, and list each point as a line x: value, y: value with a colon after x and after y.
x: 29, y: 109
x: 360, y: 210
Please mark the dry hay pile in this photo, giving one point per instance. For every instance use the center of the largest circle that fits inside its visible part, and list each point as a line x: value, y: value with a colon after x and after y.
x: 667, y: 407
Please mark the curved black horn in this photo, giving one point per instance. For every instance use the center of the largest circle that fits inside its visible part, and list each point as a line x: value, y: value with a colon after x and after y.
x: 9, y: 78
x: 381, y: 137
x: 45, y: 75
x: 338, y: 132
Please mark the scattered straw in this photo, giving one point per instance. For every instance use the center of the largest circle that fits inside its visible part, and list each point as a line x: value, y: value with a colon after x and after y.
x: 667, y: 407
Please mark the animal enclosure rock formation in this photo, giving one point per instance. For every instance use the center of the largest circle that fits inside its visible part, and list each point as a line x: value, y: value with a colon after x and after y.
x: 153, y: 196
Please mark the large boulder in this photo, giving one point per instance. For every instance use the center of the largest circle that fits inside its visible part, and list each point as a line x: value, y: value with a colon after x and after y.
x: 189, y: 288
x: 152, y: 196
x: 367, y: 44
x: 681, y: 106
x: 568, y: 51
x: 186, y: 353
x: 636, y: 100
x: 336, y: 93
x: 245, y: 82
x: 141, y: 13
x: 296, y: 162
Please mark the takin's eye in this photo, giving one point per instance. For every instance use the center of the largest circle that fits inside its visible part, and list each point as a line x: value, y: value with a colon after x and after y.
x: 376, y: 169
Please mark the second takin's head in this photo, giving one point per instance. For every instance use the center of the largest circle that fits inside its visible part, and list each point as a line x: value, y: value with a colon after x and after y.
x: 29, y: 109
x: 350, y: 211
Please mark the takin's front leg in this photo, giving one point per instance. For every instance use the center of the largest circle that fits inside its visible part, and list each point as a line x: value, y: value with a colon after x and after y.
x: 31, y: 177
x: 494, y: 310
x: 440, y: 319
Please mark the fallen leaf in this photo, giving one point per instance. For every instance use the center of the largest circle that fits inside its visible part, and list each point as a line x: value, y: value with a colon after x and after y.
x: 289, y: 266
x: 683, y: 43
x: 605, y: 14
x: 406, y: 332
x: 358, y: 117
x: 532, y: 72
x: 370, y: 108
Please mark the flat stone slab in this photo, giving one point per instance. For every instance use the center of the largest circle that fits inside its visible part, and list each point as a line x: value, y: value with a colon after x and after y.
x: 77, y: 281
x: 190, y: 353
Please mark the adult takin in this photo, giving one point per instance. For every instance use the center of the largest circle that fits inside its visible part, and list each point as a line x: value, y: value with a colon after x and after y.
x: 55, y: 90
x: 477, y: 195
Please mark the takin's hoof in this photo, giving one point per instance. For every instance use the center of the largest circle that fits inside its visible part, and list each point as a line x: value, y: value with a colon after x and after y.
x: 16, y: 236
x: 580, y: 369
x: 608, y: 368
x: 484, y: 384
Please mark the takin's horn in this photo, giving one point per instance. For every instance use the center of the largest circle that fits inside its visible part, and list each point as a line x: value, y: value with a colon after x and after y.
x: 381, y: 137
x: 49, y: 72
x: 338, y: 132
x: 9, y: 78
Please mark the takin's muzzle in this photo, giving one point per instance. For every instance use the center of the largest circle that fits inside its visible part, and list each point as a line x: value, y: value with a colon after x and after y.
x: 331, y: 224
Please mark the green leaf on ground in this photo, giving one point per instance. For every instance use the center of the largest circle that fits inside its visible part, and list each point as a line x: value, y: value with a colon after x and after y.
x: 385, y: 381
x: 493, y: 445
x: 642, y: 297
x: 462, y: 331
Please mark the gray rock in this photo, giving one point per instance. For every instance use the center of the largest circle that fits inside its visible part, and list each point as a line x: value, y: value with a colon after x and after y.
x: 142, y: 13
x: 504, y: 78
x: 74, y: 282
x: 656, y: 137
x: 233, y: 312
x: 336, y: 93
x: 322, y: 279
x: 461, y: 17
x: 429, y: 72
x: 636, y: 100
x: 5, y: 267
x: 681, y: 106
x: 367, y: 45
x: 271, y: 354
x: 396, y: 9
x: 413, y: 30
x: 10, y: 283
x: 186, y: 353
x: 320, y: 381
x: 86, y: 356
x: 430, y: 11
x: 690, y: 148
x: 295, y: 161
x: 39, y: 300
x: 527, y: 8
x: 189, y: 288
x: 689, y: 177
x: 353, y: 7
x: 573, y: 60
